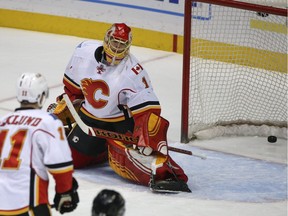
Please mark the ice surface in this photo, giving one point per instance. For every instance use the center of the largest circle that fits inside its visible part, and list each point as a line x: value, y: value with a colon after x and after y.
x: 242, y: 176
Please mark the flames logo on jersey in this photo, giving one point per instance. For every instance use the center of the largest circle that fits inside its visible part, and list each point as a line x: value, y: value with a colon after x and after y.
x: 96, y: 92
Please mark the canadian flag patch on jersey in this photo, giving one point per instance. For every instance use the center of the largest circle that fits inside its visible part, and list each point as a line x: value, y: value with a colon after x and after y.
x: 137, y: 68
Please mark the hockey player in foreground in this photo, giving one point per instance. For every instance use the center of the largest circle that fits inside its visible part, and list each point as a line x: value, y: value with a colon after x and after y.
x: 33, y: 142
x: 113, y: 92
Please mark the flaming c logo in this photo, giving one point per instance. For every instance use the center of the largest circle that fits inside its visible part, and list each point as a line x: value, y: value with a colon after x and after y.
x: 96, y: 92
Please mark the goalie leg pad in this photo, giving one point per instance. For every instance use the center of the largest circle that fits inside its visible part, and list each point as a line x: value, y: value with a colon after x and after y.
x: 128, y: 163
x: 139, y: 168
x: 168, y: 177
x: 168, y: 169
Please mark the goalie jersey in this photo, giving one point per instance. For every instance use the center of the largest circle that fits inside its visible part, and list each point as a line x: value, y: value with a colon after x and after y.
x: 32, y: 142
x: 104, y: 87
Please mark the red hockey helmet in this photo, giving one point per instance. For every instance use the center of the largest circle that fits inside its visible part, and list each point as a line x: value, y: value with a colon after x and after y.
x: 117, y: 42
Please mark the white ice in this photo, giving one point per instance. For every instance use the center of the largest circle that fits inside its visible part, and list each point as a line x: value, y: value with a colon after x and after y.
x: 242, y: 176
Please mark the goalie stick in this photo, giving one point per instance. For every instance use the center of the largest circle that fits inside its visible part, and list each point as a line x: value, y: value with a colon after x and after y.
x: 97, y: 132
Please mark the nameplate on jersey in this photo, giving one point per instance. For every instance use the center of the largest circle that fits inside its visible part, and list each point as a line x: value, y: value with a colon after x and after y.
x: 137, y: 68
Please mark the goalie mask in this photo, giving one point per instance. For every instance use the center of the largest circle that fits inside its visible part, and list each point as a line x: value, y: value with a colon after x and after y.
x: 117, y: 42
x: 108, y: 203
x: 31, y: 87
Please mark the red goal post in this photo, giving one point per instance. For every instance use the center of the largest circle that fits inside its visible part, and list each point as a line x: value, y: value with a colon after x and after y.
x: 234, y: 69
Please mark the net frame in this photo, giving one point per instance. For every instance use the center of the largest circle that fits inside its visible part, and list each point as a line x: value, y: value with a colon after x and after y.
x: 185, y: 138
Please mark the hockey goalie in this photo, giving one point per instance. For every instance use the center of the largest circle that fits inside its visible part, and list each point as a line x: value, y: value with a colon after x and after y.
x: 112, y: 91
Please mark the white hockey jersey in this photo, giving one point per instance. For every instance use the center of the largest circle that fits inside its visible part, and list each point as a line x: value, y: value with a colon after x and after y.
x: 104, y: 87
x: 32, y: 142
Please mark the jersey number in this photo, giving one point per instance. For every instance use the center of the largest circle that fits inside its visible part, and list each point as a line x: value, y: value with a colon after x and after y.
x: 145, y: 82
x: 16, y: 140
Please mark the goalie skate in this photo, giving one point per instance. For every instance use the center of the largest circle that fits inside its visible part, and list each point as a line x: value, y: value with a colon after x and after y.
x: 169, y: 186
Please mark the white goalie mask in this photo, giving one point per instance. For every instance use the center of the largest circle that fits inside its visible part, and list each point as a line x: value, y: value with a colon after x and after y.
x: 30, y: 88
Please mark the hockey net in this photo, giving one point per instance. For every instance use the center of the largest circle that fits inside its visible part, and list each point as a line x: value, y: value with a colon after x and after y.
x: 234, y: 69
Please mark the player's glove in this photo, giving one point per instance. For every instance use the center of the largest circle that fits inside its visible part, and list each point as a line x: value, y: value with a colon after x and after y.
x: 61, y: 110
x: 67, y: 202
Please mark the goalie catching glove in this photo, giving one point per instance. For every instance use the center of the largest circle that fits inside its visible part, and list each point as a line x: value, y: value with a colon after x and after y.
x: 151, y: 130
x: 61, y: 110
x: 67, y: 202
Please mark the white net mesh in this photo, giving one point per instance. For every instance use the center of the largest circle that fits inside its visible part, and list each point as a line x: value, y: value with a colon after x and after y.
x: 238, y: 69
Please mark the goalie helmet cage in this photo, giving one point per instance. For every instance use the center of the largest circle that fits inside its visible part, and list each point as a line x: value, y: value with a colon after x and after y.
x: 234, y: 69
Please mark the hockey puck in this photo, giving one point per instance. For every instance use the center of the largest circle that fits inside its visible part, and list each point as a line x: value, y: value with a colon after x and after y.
x: 272, y: 139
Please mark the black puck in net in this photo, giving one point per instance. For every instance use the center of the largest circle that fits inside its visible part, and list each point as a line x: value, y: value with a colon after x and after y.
x: 272, y: 139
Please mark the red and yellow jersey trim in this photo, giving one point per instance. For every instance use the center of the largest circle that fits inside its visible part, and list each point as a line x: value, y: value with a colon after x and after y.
x: 72, y: 89
x: 62, y: 174
x: 40, y: 191
x: 156, y: 109
x: 15, y: 212
x: 61, y: 170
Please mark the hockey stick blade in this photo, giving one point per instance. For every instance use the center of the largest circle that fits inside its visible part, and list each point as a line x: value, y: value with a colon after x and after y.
x: 96, y: 132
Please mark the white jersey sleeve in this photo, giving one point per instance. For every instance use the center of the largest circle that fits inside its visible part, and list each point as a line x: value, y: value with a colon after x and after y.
x: 50, y: 142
